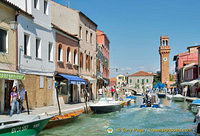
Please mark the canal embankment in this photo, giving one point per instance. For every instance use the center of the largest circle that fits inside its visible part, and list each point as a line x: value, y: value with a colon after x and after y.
x: 53, y: 110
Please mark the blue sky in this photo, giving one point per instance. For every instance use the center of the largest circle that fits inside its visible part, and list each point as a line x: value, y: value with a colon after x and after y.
x: 134, y: 28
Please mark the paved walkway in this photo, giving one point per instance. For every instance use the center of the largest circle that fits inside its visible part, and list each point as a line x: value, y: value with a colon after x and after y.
x: 53, y: 110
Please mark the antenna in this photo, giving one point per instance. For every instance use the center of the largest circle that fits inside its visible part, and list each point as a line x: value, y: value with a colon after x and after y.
x: 68, y: 3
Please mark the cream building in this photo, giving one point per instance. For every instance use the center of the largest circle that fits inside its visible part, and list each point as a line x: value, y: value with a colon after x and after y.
x: 121, y: 80
x: 77, y: 23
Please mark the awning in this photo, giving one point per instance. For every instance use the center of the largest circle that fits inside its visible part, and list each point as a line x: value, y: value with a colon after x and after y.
x: 73, y: 79
x: 92, y: 80
x: 190, y: 82
x: 11, y: 75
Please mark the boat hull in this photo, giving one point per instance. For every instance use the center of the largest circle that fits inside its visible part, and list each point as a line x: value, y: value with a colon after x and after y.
x: 105, y: 109
x: 161, y: 95
x: 26, y: 129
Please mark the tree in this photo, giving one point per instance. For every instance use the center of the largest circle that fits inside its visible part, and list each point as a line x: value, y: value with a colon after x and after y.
x: 157, y: 78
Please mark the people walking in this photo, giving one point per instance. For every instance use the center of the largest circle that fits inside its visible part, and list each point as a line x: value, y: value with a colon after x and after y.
x: 22, y: 95
x: 112, y: 91
x: 117, y: 92
x: 14, y: 100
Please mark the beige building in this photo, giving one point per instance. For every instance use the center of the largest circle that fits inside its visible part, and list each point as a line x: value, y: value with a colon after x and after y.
x: 77, y: 23
x: 140, y: 81
x: 121, y: 80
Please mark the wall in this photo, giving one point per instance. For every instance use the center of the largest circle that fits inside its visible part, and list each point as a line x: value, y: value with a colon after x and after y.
x: 30, y: 64
x: 135, y: 78
x: 8, y: 60
x: 38, y: 97
x: 63, y: 67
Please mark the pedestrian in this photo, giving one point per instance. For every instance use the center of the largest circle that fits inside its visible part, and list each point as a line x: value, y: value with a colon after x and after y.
x: 100, y: 92
x: 112, y: 91
x: 22, y: 95
x: 14, y: 100
x: 85, y: 95
x: 117, y: 92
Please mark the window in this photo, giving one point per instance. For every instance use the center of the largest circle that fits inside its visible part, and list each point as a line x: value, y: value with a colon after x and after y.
x: 50, y: 52
x: 86, y: 36
x: 130, y: 81
x: 91, y: 65
x: 68, y: 55
x: 143, y: 81
x: 81, y: 60
x: 38, y: 48
x: 45, y: 6
x: 36, y: 4
x: 75, y: 57
x: 90, y: 37
x: 80, y: 32
x: 138, y: 81
x: 147, y: 80
x: 26, y: 45
x: 87, y: 62
x: 60, y: 53
x: 3, y: 41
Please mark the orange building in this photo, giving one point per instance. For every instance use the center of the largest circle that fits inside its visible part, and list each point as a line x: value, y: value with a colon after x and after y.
x: 113, y: 81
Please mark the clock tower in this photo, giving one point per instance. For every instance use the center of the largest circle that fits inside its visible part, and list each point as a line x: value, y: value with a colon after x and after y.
x: 164, y: 51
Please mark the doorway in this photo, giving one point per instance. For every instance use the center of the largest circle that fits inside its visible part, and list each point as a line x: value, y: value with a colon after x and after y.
x: 7, y: 91
x: 71, y: 93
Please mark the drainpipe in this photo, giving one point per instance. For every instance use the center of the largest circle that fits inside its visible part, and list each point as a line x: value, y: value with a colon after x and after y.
x: 16, y: 37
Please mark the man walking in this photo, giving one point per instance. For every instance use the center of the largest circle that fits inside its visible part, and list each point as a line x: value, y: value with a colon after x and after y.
x: 22, y: 94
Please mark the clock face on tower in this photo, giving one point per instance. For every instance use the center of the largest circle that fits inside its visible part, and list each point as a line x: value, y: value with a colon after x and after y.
x: 164, y: 59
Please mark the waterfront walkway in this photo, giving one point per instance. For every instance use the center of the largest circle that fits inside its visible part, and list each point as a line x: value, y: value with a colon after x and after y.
x: 53, y: 110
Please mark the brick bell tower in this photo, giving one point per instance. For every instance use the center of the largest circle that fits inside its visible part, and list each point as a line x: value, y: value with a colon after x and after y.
x: 164, y: 51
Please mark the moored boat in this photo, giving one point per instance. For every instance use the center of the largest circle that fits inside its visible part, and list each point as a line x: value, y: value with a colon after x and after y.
x: 23, y: 125
x: 169, y: 96
x: 104, y: 106
x: 161, y: 95
x: 178, y: 98
x: 194, y: 105
x: 63, y: 119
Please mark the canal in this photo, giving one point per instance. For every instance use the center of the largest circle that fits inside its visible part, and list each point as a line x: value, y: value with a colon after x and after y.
x: 132, y: 120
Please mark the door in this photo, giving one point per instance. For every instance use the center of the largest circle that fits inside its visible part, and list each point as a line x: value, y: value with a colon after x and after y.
x: 8, y: 88
x: 71, y: 93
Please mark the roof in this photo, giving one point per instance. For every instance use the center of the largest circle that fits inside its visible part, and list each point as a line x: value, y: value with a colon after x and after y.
x: 103, y: 33
x: 113, y: 79
x: 16, y: 7
x: 141, y: 73
x: 196, y: 46
x: 59, y: 29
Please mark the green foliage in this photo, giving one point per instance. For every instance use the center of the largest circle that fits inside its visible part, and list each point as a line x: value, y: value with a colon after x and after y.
x: 157, y: 78
x: 171, y: 77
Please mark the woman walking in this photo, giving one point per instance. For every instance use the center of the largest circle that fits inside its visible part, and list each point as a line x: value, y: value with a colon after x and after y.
x: 14, y: 100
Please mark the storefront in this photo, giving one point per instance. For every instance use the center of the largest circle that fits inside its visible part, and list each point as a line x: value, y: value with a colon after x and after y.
x: 8, y: 79
x: 91, y: 87
x: 69, y: 88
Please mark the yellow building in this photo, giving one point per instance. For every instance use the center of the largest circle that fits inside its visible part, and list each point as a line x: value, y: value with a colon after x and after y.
x: 121, y: 80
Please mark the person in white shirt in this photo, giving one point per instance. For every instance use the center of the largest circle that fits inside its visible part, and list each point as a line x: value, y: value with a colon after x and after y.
x: 100, y: 92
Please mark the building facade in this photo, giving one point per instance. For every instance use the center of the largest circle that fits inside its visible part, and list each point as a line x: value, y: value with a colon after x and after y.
x: 36, y: 51
x: 113, y: 81
x: 121, y: 80
x: 104, y: 42
x: 77, y: 23
x: 140, y: 81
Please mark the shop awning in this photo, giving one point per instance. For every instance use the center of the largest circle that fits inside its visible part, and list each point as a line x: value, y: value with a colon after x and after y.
x: 92, y: 80
x: 11, y: 75
x: 73, y: 79
x: 190, y: 82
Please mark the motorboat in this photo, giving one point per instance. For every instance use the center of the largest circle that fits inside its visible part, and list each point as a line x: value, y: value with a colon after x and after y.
x: 154, y: 102
x: 23, y: 125
x: 105, y: 106
x: 178, y: 98
x: 194, y: 106
x: 131, y: 97
x: 169, y: 96
x: 139, y: 94
x: 161, y: 95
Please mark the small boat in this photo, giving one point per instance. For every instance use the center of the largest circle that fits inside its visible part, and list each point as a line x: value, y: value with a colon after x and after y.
x: 122, y: 103
x: 194, y: 105
x: 169, y: 96
x: 178, y: 98
x: 104, y: 106
x: 139, y: 94
x: 63, y: 119
x: 161, y: 95
x: 23, y: 125
x: 131, y: 97
x: 154, y: 102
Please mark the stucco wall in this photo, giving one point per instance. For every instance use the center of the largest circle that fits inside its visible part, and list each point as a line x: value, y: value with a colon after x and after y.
x: 135, y: 78
x: 30, y: 64
x: 8, y: 60
x: 63, y: 67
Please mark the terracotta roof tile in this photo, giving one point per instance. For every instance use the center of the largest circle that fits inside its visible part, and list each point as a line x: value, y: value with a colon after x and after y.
x: 113, y: 79
x: 141, y: 73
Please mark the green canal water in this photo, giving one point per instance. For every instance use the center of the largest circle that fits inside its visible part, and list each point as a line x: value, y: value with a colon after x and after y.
x: 132, y: 120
